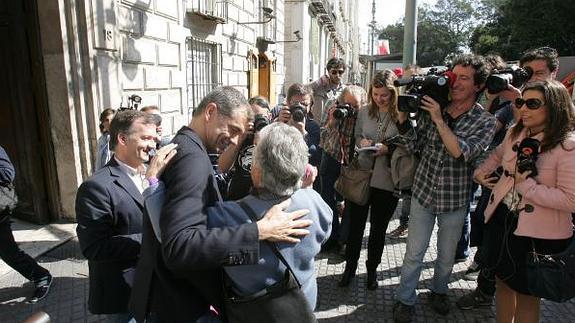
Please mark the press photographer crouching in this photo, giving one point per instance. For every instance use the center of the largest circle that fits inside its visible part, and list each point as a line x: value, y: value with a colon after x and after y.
x: 376, y: 124
x: 531, y: 204
x: 449, y: 139
x: 337, y: 145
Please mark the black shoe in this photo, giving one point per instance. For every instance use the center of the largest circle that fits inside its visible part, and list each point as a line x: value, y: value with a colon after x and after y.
x: 42, y: 288
x: 439, y: 303
x: 348, y: 274
x: 402, y: 313
x: 474, y: 299
x: 371, y: 279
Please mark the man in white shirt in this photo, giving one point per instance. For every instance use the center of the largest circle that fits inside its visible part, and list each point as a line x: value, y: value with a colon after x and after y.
x: 109, y: 208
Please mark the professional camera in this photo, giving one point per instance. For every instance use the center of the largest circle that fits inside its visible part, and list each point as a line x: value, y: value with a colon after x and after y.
x: 298, y: 112
x: 435, y: 84
x: 134, y: 102
x: 499, y: 80
x: 260, y: 121
x: 343, y: 111
x: 527, y: 153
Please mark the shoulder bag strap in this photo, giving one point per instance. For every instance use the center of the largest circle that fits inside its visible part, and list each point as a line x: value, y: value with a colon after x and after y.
x: 272, y: 245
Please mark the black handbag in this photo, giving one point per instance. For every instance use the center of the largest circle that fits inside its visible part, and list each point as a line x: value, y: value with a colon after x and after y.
x: 552, y: 276
x: 283, y: 302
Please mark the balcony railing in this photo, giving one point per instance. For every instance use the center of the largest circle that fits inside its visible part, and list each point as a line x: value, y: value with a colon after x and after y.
x: 215, y: 10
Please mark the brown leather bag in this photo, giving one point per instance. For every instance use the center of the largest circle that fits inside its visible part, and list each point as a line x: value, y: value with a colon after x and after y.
x: 353, y: 183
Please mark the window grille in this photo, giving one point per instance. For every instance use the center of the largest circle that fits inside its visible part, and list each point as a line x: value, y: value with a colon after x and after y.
x: 216, y: 10
x: 204, y: 69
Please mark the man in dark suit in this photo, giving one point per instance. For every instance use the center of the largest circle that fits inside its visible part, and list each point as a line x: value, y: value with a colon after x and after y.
x: 109, y: 212
x: 178, y: 278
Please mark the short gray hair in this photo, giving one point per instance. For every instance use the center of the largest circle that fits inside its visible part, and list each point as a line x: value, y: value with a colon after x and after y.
x: 228, y: 100
x: 282, y: 156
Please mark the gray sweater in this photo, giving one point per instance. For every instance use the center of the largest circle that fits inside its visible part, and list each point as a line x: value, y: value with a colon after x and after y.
x: 369, y: 128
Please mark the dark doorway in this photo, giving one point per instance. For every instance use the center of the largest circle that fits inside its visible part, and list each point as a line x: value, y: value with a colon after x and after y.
x: 24, y: 125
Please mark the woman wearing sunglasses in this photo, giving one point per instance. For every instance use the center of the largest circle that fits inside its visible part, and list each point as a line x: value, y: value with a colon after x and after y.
x: 530, y: 207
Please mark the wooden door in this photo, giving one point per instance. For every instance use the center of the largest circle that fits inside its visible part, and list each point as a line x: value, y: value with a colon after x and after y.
x: 24, y: 121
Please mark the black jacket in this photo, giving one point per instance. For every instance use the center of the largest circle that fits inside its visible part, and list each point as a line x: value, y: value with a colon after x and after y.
x: 109, y: 213
x: 178, y: 279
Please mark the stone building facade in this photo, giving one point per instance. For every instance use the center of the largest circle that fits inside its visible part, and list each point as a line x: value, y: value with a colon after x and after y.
x: 71, y: 59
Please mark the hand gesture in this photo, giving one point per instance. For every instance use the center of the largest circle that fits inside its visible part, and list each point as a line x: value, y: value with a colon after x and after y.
x: 277, y: 225
x: 285, y: 115
x: 486, y: 180
x: 160, y: 160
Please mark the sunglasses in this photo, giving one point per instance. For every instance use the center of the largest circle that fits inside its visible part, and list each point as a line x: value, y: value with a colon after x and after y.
x: 532, y: 104
x: 335, y: 72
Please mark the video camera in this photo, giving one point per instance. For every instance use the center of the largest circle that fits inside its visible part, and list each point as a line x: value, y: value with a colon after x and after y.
x: 435, y: 84
x: 298, y: 112
x: 134, y: 102
x: 499, y: 80
x: 343, y: 111
x: 527, y: 152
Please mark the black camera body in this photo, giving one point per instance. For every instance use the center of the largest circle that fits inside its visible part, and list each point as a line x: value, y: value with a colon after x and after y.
x: 298, y: 112
x: 343, y: 111
x: 527, y: 153
x: 499, y: 80
x: 434, y: 84
x: 260, y: 121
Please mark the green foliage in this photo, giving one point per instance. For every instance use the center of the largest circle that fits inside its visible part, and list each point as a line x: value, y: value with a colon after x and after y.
x: 518, y: 25
x: 442, y: 29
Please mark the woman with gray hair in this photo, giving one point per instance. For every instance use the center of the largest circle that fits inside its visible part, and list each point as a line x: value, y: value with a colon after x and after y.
x: 279, y: 165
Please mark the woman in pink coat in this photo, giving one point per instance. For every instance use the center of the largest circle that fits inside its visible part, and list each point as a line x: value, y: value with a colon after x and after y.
x: 531, y: 204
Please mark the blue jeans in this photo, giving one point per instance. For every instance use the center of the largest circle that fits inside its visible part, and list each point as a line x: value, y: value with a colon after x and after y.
x: 421, y: 224
x: 329, y: 172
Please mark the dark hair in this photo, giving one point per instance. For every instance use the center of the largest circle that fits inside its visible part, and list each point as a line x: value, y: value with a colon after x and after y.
x: 299, y: 90
x: 260, y: 101
x: 560, y: 113
x: 335, y: 62
x: 227, y: 99
x: 545, y: 53
x: 103, y: 115
x: 123, y: 121
x: 478, y: 63
x: 385, y: 79
x: 495, y: 61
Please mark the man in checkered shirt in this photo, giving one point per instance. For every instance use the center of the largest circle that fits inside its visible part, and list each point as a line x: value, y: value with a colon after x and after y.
x: 449, y: 140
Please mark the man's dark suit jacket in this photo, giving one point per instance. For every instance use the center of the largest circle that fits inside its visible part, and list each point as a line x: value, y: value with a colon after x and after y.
x: 109, y: 213
x: 178, y: 279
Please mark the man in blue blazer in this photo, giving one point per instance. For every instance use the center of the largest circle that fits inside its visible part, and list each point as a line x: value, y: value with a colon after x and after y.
x: 179, y: 274
x: 109, y: 213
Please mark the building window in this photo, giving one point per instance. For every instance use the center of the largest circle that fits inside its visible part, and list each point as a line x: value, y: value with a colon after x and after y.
x: 204, y: 69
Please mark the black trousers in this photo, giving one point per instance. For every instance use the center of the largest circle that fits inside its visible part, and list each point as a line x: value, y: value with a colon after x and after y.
x: 383, y: 204
x: 14, y: 257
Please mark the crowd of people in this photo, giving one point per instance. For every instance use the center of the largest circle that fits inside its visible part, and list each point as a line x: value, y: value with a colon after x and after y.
x: 167, y: 241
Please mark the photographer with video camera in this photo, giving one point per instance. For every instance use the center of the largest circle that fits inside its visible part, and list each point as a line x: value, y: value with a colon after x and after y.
x: 531, y: 204
x: 299, y: 102
x: 337, y: 146
x: 237, y: 159
x: 375, y: 125
x: 449, y: 139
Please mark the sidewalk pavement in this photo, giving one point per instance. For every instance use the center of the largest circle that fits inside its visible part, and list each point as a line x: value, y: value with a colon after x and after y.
x: 68, y: 296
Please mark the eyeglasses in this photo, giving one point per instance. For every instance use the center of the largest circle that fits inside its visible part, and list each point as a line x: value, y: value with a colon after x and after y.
x: 335, y: 72
x: 532, y: 104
